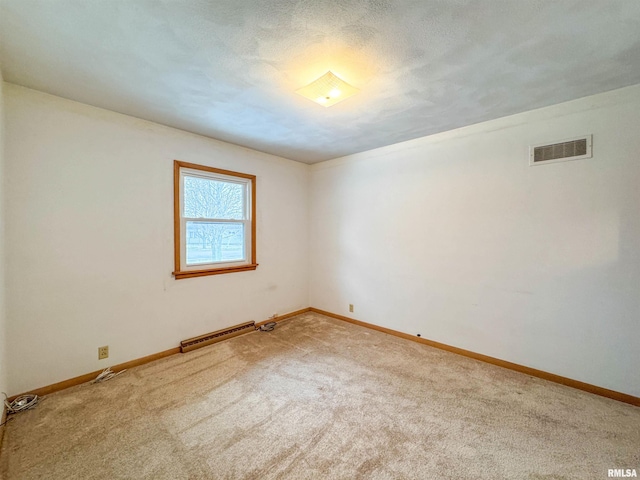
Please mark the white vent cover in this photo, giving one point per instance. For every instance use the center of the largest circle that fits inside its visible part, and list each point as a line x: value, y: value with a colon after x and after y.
x: 561, y: 151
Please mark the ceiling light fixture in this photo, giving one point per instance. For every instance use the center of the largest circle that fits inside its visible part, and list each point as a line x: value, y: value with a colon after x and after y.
x: 328, y: 90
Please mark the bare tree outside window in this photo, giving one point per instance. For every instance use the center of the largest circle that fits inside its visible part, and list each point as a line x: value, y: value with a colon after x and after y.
x: 211, y: 241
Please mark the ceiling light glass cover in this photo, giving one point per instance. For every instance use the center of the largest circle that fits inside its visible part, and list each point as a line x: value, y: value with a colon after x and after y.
x: 328, y: 90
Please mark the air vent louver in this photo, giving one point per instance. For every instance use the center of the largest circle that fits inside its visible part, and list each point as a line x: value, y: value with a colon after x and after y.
x: 570, y: 149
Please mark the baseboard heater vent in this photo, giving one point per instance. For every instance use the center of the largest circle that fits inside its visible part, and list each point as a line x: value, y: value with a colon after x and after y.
x: 213, y: 337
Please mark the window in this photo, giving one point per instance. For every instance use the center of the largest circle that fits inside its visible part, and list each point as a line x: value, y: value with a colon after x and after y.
x: 214, y: 221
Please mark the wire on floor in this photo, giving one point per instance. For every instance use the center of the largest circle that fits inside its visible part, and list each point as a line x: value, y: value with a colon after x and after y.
x: 107, y: 374
x: 21, y: 403
x: 267, y: 327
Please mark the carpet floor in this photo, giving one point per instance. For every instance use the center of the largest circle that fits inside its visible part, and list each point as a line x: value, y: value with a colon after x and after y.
x: 319, y: 398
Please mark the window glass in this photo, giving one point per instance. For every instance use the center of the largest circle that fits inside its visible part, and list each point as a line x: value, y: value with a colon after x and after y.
x: 214, y: 242
x: 207, y: 198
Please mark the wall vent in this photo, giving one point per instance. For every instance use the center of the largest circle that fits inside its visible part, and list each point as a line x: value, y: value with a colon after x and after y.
x: 561, y: 151
x: 214, y: 337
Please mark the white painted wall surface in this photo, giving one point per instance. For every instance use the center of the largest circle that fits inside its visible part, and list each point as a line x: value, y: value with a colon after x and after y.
x: 3, y: 321
x: 90, y: 236
x: 455, y: 237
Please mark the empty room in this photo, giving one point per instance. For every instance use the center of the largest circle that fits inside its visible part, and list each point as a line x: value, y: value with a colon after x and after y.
x: 320, y: 239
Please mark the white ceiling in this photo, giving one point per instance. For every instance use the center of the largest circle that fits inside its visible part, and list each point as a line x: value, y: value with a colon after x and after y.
x: 229, y: 69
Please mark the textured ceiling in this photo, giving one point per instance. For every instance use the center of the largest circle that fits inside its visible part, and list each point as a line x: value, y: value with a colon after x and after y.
x: 229, y: 69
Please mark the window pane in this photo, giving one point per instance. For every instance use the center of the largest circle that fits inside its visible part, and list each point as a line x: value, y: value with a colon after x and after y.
x: 204, y: 198
x: 214, y: 242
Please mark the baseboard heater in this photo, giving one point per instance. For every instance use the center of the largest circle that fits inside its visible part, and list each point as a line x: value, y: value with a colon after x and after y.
x: 218, y: 336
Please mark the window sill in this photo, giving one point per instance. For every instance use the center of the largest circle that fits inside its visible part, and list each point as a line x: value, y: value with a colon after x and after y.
x: 213, y: 271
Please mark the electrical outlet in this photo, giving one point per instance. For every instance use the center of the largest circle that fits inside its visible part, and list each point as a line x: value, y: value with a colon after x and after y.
x: 351, y: 307
x: 103, y: 352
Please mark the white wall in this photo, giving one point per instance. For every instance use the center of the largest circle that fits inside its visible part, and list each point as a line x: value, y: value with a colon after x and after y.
x: 90, y: 236
x: 3, y: 324
x: 455, y: 237
x: 452, y: 236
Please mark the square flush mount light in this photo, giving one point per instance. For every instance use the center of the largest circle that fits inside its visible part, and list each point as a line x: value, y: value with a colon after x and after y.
x: 328, y: 90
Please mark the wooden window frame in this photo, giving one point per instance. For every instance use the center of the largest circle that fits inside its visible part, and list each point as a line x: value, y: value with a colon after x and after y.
x: 178, y: 273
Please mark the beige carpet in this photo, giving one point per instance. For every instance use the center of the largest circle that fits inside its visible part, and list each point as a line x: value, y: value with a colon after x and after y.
x: 319, y: 398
